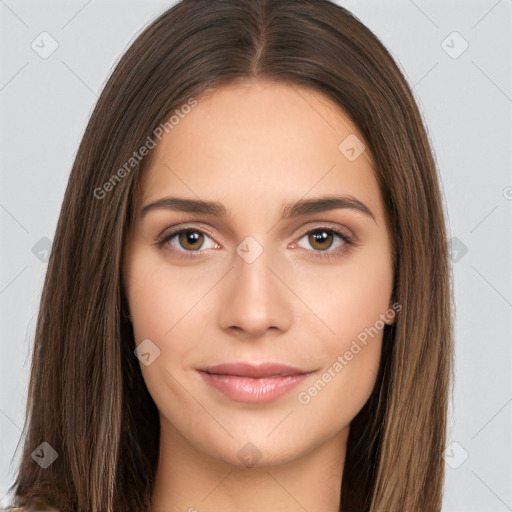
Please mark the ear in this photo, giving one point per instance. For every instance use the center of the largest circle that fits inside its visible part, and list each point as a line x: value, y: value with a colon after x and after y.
x: 393, y: 308
x: 125, y: 310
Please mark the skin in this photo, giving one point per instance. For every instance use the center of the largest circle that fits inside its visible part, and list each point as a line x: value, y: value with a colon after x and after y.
x: 252, y: 146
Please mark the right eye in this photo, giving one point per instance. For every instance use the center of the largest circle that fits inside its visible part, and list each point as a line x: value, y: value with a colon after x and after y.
x: 189, y: 240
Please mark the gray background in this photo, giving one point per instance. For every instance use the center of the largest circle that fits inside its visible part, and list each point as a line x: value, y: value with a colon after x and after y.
x: 466, y: 100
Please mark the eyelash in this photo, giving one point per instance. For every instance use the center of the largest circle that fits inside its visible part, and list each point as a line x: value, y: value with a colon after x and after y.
x: 324, y: 255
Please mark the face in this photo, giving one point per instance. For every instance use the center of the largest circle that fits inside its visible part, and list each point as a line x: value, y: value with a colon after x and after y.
x: 260, y: 322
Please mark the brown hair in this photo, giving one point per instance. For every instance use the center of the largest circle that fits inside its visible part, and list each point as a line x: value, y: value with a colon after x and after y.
x: 87, y: 397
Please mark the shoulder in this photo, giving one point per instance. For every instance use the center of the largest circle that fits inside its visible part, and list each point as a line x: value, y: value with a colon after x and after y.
x: 36, y: 504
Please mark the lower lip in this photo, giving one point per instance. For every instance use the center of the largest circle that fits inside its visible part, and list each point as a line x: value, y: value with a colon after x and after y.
x: 245, y: 389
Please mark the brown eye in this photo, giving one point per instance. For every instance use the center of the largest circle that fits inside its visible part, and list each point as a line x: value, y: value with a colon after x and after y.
x: 322, y: 242
x: 320, y: 239
x: 186, y: 240
x: 191, y: 240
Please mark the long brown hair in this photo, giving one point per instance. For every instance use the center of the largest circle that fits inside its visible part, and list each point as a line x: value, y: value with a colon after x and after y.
x: 87, y: 398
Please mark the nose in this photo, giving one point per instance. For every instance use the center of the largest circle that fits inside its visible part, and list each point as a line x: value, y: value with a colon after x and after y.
x: 255, y: 298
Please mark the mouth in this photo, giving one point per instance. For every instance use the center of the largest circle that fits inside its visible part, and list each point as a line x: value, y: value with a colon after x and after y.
x: 254, y: 383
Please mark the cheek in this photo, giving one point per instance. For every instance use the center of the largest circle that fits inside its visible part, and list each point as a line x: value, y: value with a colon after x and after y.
x: 354, y: 296
x: 352, y: 303
x: 149, y: 301
x: 167, y: 306
x: 159, y: 297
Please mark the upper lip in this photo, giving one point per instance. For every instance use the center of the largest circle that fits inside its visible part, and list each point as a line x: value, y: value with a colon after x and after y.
x: 254, y: 370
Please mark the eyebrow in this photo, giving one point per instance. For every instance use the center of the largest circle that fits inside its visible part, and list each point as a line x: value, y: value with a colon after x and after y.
x: 288, y: 210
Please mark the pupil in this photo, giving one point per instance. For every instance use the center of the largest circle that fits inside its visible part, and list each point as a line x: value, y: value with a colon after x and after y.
x: 191, y: 237
x: 319, y: 237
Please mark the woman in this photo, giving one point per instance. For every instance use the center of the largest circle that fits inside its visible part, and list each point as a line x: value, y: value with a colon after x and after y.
x: 298, y: 353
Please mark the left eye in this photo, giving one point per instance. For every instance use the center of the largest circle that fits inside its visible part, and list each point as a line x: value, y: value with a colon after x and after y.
x: 322, y: 239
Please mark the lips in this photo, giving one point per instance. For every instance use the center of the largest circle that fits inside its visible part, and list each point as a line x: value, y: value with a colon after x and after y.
x: 255, y: 371
x: 253, y: 383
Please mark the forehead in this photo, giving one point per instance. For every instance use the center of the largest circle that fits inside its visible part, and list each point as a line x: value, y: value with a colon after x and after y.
x: 261, y: 143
